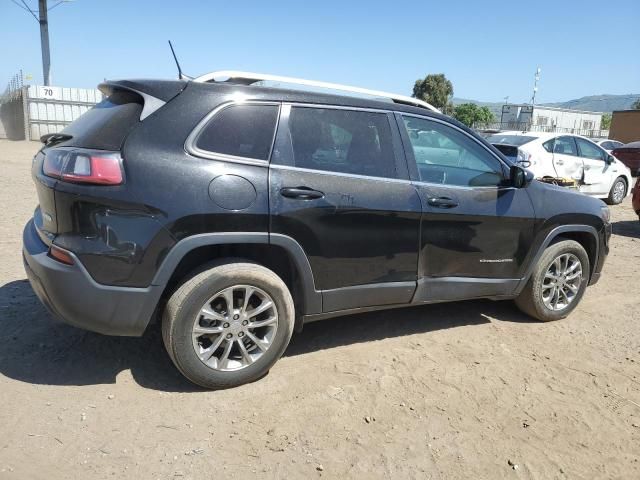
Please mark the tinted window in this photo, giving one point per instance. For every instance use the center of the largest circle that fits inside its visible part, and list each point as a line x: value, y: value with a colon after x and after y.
x: 515, y: 140
x: 344, y: 141
x: 589, y: 150
x: 561, y: 145
x: 241, y: 130
x: 107, y: 124
x: 446, y: 155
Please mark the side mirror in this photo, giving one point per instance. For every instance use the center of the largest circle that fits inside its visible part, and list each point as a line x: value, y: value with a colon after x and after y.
x: 610, y: 159
x: 519, y: 176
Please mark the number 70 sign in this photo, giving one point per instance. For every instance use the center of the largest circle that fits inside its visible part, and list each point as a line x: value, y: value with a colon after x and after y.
x: 50, y: 93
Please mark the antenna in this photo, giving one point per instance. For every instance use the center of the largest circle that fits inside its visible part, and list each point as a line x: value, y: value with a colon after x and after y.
x: 180, y: 75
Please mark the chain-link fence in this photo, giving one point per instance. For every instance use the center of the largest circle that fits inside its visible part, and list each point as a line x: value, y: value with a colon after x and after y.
x: 30, y: 111
x: 531, y: 127
x: 12, y: 109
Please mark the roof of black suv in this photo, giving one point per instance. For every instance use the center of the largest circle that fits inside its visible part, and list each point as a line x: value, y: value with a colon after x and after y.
x: 167, y: 89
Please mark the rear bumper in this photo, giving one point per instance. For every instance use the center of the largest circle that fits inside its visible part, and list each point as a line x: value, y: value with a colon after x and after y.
x: 633, y: 165
x: 69, y: 292
x: 635, y: 201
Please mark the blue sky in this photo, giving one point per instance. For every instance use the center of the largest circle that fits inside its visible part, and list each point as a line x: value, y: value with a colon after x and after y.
x: 488, y: 49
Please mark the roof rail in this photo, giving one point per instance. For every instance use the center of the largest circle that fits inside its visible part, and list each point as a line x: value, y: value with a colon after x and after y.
x: 248, y: 78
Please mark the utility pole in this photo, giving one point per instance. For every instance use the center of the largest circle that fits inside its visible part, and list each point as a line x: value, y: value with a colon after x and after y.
x: 44, y: 41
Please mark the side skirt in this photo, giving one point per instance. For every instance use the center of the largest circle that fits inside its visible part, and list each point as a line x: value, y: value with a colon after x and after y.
x: 446, y: 289
x: 428, y: 291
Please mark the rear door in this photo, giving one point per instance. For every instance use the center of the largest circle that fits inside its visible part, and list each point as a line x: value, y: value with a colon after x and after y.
x: 339, y: 187
x: 566, y: 161
x: 476, y: 229
x: 598, y: 174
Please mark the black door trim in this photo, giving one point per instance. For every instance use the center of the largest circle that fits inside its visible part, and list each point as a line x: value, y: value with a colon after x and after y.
x: 445, y: 289
x: 373, y: 294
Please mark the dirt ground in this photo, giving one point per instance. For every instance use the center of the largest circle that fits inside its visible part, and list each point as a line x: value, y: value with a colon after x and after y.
x: 465, y: 390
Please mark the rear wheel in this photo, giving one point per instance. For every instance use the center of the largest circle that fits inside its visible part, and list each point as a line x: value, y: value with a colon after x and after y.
x: 228, y: 324
x: 557, y: 283
x: 618, y: 191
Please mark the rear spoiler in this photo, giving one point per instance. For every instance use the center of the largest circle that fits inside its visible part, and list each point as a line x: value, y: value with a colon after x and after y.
x: 51, y: 139
x: 154, y: 93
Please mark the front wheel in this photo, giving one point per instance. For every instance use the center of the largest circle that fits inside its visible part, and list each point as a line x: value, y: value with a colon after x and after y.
x: 557, y: 283
x: 618, y: 192
x: 228, y: 324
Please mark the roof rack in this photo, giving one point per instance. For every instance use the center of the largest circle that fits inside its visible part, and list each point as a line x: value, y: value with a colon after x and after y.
x: 249, y: 78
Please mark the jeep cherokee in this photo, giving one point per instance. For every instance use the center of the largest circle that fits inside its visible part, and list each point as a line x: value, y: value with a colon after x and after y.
x: 234, y: 212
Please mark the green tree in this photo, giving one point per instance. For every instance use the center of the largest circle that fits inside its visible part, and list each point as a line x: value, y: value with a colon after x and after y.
x: 636, y: 105
x: 436, y: 90
x: 605, y: 124
x: 471, y: 114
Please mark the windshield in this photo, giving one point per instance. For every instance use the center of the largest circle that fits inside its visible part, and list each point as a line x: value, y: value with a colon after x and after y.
x: 515, y: 140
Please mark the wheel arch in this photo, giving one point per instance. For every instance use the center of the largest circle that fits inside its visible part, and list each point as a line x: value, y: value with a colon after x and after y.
x: 585, y: 235
x: 279, y: 253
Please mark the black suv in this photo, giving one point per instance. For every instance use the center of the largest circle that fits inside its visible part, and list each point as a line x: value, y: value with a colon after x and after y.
x: 235, y: 213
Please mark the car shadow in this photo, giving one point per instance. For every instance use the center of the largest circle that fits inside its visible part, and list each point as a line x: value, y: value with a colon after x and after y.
x: 37, y: 349
x: 399, y: 322
x: 627, y: 228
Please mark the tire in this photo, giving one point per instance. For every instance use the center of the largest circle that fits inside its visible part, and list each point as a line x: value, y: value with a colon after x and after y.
x: 617, y: 196
x: 531, y: 300
x: 185, y: 306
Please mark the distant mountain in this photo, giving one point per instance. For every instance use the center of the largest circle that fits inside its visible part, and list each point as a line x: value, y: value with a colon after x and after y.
x: 592, y: 103
x: 599, y: 103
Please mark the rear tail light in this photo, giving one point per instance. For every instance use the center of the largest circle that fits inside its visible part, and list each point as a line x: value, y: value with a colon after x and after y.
x: 96, y: 167
x: 524, y: 158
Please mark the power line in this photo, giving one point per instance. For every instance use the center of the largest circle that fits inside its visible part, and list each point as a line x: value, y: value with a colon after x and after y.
x: 43, y: 20
x: 26, y: 7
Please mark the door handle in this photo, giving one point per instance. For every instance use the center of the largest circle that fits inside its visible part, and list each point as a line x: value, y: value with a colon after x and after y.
x: 442, y: 202
x: 560, y: 162
x: 301, y: 193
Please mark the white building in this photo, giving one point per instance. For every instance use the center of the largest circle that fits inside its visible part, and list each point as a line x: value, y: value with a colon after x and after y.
x: 550, y: 119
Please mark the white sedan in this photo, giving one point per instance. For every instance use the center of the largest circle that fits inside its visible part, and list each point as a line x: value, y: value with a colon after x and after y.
x: 608, y: 145
x: 559, y: 155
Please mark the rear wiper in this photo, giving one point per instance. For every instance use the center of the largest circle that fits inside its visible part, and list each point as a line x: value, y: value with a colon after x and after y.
x: 52, y: 138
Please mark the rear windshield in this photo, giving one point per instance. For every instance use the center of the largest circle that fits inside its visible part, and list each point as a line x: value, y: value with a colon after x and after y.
x: 515, y: 140
x: 108, y: 123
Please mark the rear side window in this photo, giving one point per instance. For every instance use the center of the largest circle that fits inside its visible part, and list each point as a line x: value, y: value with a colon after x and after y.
x: 343, y: 141
x: 240, y: 131
x: 589, y: 150
x: 108, y: 123
x: 562, y: 146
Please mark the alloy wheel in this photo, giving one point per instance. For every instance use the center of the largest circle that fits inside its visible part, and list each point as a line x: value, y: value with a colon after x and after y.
x: 561, y: 282
x: 235, y: 327
x: 618, y: 191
